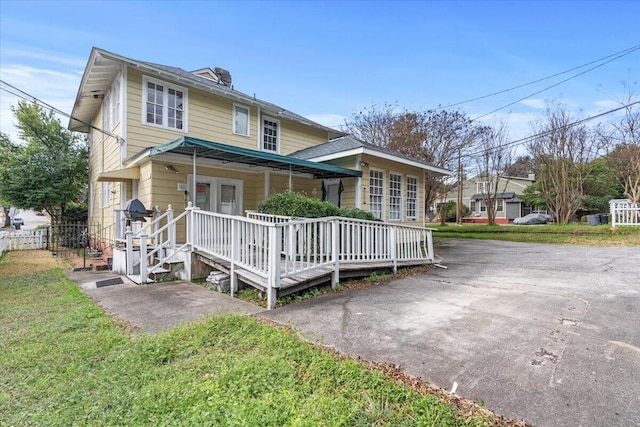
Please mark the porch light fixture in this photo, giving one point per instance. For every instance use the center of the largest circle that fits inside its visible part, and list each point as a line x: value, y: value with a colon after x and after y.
x: 170, y: 168
x: 363, y: 164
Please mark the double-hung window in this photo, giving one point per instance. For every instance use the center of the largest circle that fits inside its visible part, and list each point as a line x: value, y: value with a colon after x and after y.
x: 165, y: 105
x: 412, y: 198
x: 270, y: 134
x: 500, y: 205
x: 241, y: 120
x: 395, y: 197
x: 482, y: 187
x: 376, y: 193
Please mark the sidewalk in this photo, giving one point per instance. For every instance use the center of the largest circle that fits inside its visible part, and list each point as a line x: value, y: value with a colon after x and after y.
x: 157, y: 307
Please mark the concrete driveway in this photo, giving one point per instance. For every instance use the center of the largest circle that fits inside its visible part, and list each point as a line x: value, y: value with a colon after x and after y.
x: 545, y: 333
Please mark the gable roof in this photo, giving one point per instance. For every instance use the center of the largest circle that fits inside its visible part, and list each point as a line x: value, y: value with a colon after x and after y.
x: 349, y: 145
x: 103, y: 66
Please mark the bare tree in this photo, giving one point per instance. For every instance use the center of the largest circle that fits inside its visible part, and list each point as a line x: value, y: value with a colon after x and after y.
x: 563, y: 152
x: 496, y: 154
x: 624, y: 159
x: 433, y: 136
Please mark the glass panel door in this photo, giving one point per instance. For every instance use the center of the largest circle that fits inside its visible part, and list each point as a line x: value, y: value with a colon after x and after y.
x: 203, y: 195
x: 228, y: 199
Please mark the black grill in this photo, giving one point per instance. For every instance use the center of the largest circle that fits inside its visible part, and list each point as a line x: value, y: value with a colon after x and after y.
x: 134, y: 210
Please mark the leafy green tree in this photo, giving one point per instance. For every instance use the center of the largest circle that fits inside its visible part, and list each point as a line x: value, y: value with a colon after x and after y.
x: 49, y: 170
x: 601, y: 186
x: 7, y: 150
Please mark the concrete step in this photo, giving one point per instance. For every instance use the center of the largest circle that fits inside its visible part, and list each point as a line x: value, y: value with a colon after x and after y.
x: 99, y: 265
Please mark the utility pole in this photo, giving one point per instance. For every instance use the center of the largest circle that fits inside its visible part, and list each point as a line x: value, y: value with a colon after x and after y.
x: 459, y: 202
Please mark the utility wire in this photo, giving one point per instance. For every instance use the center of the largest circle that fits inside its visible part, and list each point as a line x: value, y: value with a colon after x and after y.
x: 556, y: 84
x: 617, y: 55
x: 27, y: 97
x: 537, y: 135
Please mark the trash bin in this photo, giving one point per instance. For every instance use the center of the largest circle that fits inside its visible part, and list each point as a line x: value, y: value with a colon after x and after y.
x: 604, y: 219
x: 593, y: 219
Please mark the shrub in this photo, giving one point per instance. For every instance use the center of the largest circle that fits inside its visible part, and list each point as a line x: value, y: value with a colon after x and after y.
x: 301, y: 206
x: 450, y: 211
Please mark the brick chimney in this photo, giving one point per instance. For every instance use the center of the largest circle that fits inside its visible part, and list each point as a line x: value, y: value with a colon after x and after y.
x: 223, y: 75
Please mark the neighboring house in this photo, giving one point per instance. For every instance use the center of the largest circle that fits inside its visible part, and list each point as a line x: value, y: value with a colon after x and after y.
x: 509, y: 204
x: 167, y: 136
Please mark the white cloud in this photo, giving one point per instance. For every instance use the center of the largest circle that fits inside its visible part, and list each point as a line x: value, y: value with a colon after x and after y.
x: 55, y: 88
x: 537, y: 103
x: 331, y: 120
x: 45, y: 57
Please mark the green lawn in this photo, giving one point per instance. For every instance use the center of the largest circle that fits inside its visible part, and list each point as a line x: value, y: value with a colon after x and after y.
x: 577, y: 234
x: 64, y: 362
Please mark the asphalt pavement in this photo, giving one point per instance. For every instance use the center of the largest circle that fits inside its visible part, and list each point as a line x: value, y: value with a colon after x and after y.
x: 545, y: 333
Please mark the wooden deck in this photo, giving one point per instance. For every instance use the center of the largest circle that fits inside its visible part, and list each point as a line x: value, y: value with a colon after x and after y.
x: 307, y: 279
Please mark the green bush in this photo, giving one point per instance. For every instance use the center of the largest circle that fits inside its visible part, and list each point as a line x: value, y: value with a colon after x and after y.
x: 301, y: 206
x: 450, y: 211
x: 76, y: 212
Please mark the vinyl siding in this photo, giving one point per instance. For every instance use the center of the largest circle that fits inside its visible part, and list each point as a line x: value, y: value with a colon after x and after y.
x: 209, y: 117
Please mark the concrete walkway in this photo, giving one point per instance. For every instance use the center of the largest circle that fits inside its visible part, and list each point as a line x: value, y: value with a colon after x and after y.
x: 158, y: 307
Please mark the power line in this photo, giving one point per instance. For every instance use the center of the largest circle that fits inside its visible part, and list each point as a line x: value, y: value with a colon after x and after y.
x: 578, y: 122
x: 617, y: 55
x: 28, y: 97
x: 556, y: 84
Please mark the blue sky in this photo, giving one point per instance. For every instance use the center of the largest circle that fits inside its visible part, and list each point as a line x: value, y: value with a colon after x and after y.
x: 326, y: 60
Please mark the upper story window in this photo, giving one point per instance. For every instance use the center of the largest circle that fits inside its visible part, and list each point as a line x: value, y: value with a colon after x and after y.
x: 395, y: 197
x: 270, y: 134
x: 241, y: 120
x: 111, y: 106
x: 164, y: 105
x: 482, y: 187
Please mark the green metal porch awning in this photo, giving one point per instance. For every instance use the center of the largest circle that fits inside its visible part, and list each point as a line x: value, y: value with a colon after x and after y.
x: 227, y: 153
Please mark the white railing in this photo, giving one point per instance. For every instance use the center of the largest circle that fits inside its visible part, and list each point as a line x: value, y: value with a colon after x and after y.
x: 303, y: 245
x: 268, y: 217
x: 153, y: 247
x: 23, y: 240
x: 623, y: 213
x: 274, y: 250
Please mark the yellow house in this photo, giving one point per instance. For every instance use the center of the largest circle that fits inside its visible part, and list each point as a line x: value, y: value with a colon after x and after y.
x: 167, y: 136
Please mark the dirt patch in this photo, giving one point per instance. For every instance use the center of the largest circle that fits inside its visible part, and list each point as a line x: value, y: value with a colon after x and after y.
x: 17, y: 263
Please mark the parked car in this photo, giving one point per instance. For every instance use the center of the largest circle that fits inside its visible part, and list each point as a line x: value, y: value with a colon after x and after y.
x: 533, y: 219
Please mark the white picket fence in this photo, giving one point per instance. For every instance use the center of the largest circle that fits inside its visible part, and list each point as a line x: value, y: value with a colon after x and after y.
x: 623, y: 213
x: 23, y: 240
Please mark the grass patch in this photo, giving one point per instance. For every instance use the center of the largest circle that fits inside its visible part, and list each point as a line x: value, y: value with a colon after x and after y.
x: 253, y: 296
x: 64, y: 362
x: 574, y: 234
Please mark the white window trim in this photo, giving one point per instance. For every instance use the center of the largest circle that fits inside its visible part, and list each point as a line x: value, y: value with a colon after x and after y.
x: 417, y: 215
x: 165, y: 106
x: 106, y: 195
x: 278, y: 137
x: 233, y: 120
x: 498, y: 202
x: 484, y: 189
x: 383, y: 203
x: 402, y: 199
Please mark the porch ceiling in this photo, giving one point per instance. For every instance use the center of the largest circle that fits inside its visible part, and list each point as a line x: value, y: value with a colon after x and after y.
x: 227, y: 153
